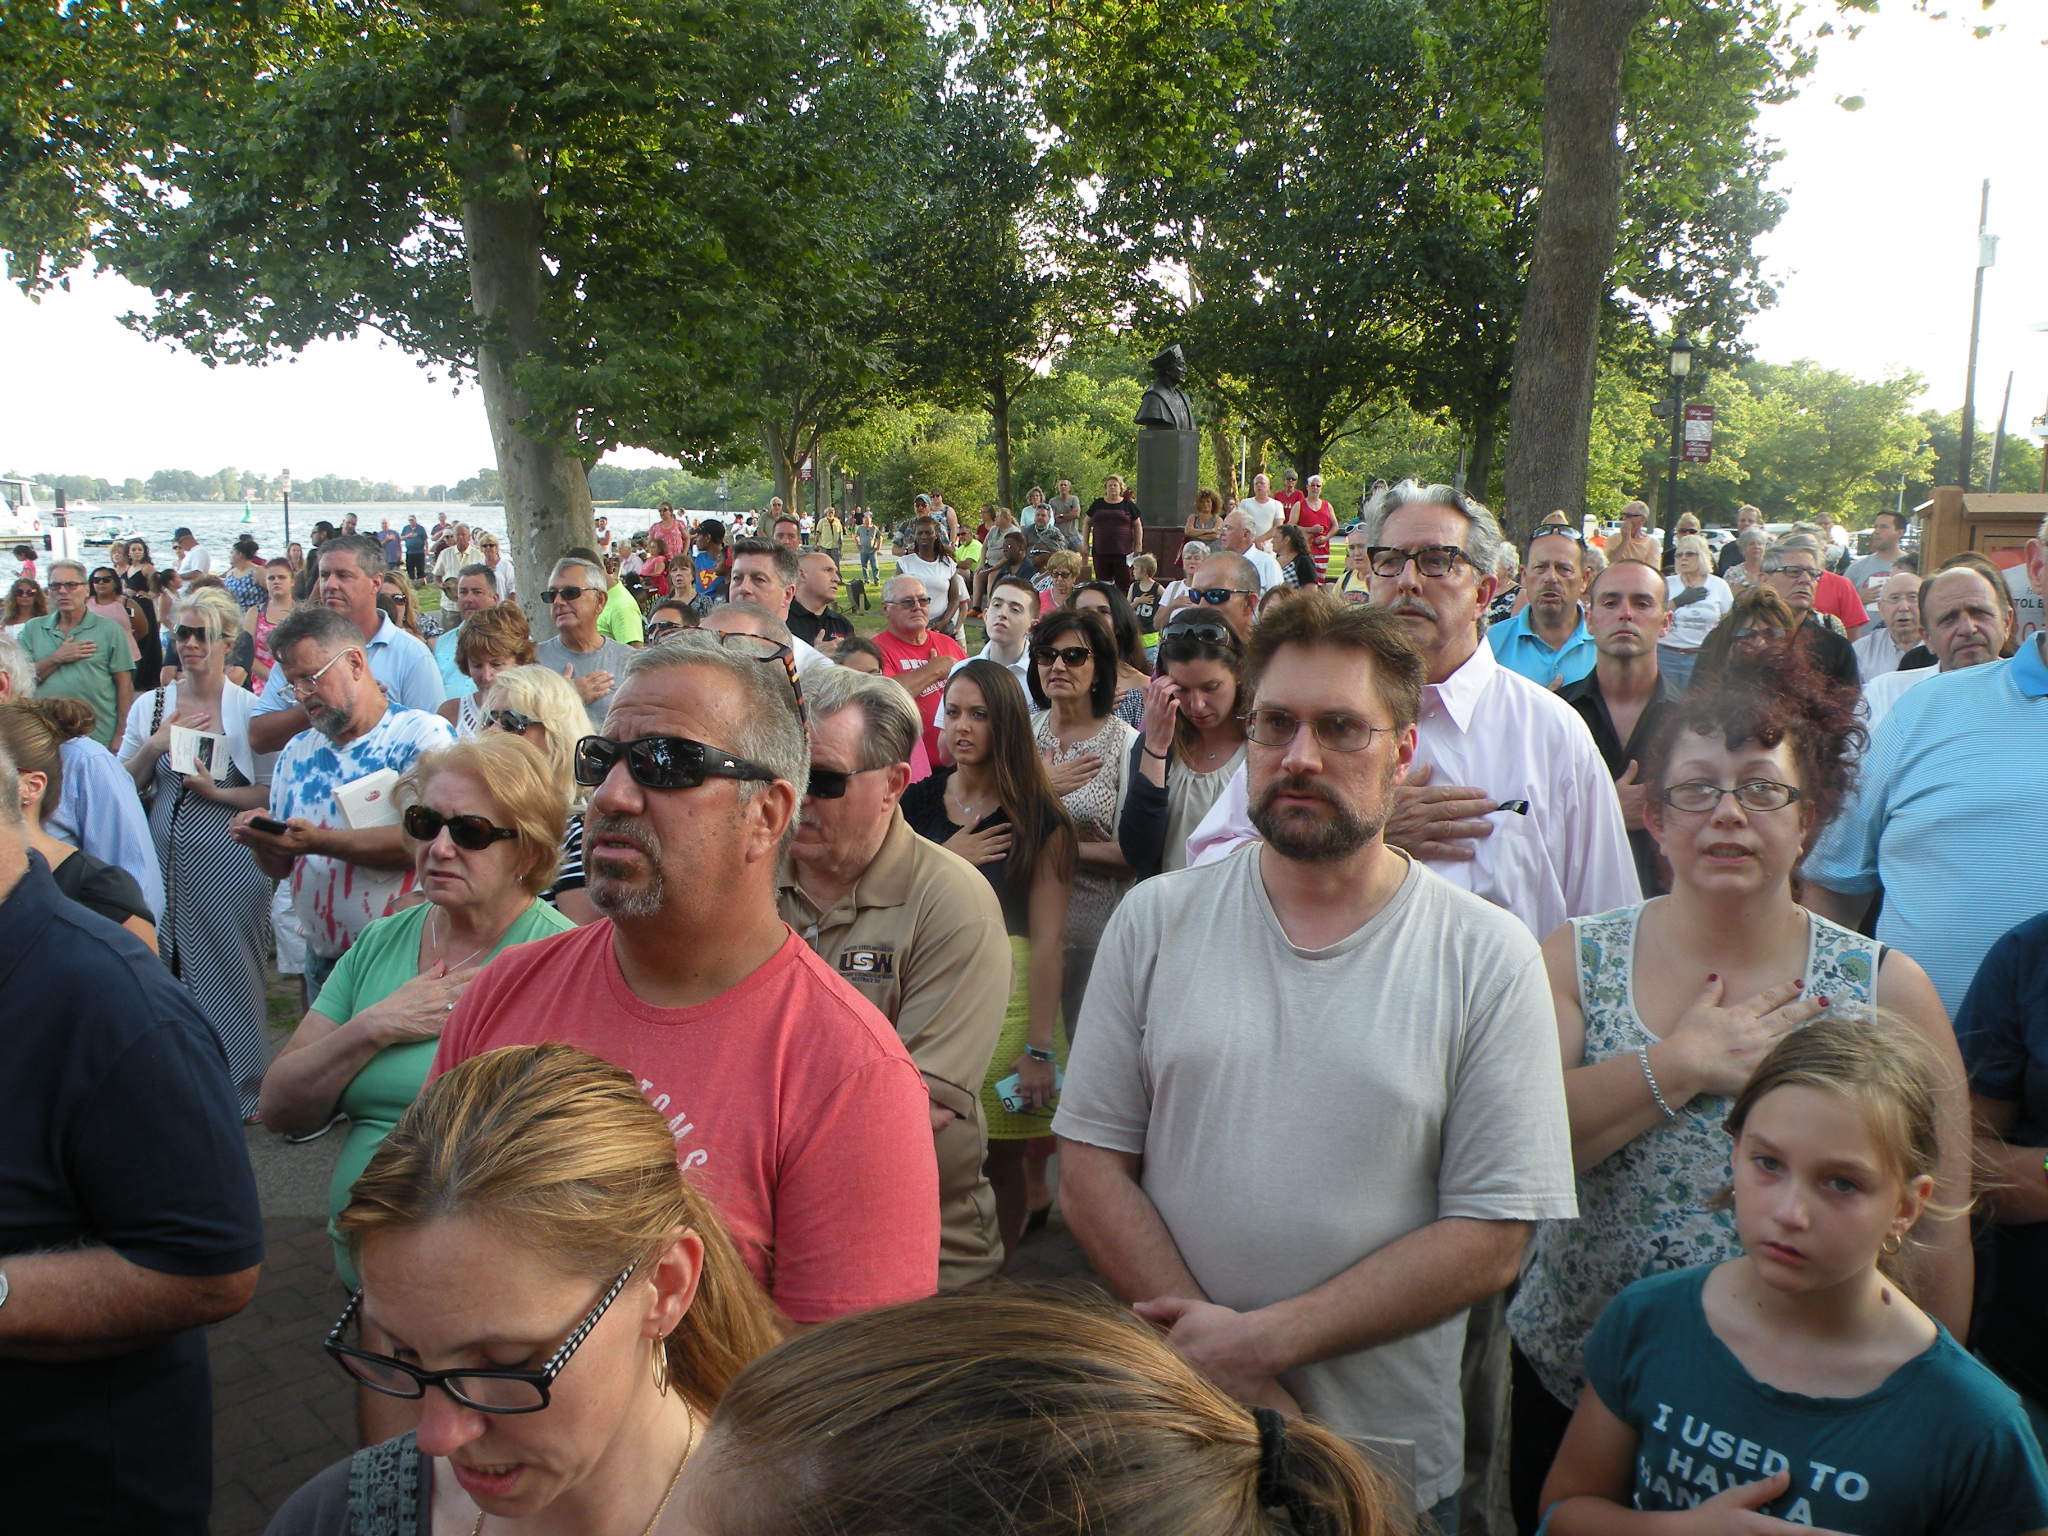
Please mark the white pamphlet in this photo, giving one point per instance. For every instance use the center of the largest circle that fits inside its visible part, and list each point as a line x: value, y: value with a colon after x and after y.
x: 198, y: 752
x: 369, y: 801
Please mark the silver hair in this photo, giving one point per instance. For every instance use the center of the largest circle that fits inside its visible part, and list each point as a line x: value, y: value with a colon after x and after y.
x: 1795, y: 544
x: 1690, y: 544
x: 900, y: 583
x: 1194, y: 549
x: 770, y: 732
x: 323, y: 626
x: 1752, y: 538
x: 890, y: 723
x: 772, y: 627
x: 19, y: 670
x: 1507, y: 565
x: 67, y: 564
x: 597, y: 575
x: 1482, y: 529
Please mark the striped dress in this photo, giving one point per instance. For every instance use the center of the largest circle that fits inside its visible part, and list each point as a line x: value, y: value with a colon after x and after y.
x: 215, y: 929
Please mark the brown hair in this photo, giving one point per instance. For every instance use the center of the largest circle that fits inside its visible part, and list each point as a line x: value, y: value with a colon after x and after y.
x: 531, y: 797
x: 555, y: 1146
x: 1017, y: 1412
x: 1039, y: 824
x: 34, y: 732
x: 1778, y: 697
x: 1753, y: 605
x: 499, y: 631
x: 1206, y: 498
x: 1317, y: 618
x: 26, y: 593
x: 1880, y: 1063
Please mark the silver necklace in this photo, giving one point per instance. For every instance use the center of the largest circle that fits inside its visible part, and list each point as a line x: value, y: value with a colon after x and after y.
x: 446, y: 924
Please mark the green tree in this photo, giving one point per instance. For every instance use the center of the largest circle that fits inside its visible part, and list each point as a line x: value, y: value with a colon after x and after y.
x: 590, y: 204
x: 1942, y: 432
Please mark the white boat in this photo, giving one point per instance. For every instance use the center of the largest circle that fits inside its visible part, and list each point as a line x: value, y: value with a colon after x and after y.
x: 21, y: 518
x: 102, y: 528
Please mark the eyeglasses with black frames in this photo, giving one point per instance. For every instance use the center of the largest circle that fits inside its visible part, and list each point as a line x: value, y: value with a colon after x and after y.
x: 1434, y: 561
x: 485, y: 1391
x: 1696, y: 797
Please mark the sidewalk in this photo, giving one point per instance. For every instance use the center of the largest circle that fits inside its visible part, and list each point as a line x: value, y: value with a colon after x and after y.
x: 281, y: 1409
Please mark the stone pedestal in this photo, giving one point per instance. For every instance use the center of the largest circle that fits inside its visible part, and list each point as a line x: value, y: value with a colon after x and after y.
x: 1169, y: 474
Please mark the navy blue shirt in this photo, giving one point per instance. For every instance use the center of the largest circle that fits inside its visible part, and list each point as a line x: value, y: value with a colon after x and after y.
x: 121, y: 1128
x: 2002, y: 1029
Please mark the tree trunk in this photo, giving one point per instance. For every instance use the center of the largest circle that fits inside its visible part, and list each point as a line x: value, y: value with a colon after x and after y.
x: 778, y: 446
x: 1550, y: 407
x: 1485, y: 432
x: 547, y: 484
x: 999, y: 423
x: 1305, y: 458
x: 1223, y: 444
x: 1257, y: 464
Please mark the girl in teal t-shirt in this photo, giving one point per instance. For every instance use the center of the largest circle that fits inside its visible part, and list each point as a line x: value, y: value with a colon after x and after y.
x: 1800, y: 1383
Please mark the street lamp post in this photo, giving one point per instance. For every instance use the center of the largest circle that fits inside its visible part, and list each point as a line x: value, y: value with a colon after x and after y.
x: 1681, y: 366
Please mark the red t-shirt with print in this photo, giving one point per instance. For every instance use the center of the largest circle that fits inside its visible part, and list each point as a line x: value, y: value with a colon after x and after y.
x: 899, y: 655
x: 795, y: 1108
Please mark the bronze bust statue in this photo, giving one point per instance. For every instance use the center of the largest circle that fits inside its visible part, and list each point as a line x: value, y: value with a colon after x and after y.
x: 1165, y: 403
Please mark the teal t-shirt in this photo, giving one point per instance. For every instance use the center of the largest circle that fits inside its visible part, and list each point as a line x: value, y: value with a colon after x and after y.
x: 1942, y: 1446
x: 382, y: 960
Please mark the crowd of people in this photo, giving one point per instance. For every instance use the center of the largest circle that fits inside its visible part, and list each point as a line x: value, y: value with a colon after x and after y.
x: 1526, y: 1038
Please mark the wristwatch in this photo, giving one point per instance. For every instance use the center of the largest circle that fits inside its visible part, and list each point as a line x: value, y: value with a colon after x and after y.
x: 1030, y: 1050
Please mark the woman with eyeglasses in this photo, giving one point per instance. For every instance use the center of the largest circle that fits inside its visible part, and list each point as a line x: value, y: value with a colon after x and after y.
x: 484, y: 822
x: 25, y: 600
x: 995, y: 807
x: 1192, y: 742
x: 395, y: 597
x: 546, y: 1296
x: 543, y: 707
x: 491, y: 641
x: 488, y: 553
x: 1087, y: 751
x: 1664, y: 1009
x: 214, y: 929
x: 1062, y: 573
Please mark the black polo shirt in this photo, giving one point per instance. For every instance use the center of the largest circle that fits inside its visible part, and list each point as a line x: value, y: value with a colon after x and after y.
x: 1585, y: 697
x: 120, y: 1128
x: 818, y: 629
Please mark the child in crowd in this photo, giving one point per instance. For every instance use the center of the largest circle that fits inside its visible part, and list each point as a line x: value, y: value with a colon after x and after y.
x: 1800, y: 1382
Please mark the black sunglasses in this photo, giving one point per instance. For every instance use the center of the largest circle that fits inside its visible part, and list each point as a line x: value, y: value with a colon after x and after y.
x: 665, y: 629
x: 476, y: 833
x: 511, y: 720
x: 661, y: 762
x: 1072, y: 655
x: 566, y: 594
x: 484, y: 1391
x: 193, y: 632
x: 1216, y: 597
x: 832, y: 783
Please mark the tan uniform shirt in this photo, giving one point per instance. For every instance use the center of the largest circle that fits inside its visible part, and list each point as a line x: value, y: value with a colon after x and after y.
x: 921, y: 937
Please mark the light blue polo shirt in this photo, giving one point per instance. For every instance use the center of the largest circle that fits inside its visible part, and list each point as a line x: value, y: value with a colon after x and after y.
x: 455, y: 682
x: 1946, y: 816
x: 1520, y: 649
x: 402, y: 664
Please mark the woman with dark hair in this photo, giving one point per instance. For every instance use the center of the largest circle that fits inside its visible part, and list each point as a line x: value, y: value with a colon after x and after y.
x: 1133, y: 671
x: 1758, y: 624
x: 1206, y: 521
x: 995, y: 808
x: 1192, y: 742
x: 1012, y: 1414
x: 25, y: 600
x: 1087, y: 750
x: 244, y: 577
x: 1666, y: 1007
x: 103, y: 596
x: 1297, y: 559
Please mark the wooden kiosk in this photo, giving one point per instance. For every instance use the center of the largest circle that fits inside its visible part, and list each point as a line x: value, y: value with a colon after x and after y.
x: 1998, y: 528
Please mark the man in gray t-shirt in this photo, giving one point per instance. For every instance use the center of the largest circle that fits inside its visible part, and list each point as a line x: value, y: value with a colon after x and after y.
x: 1066, y: 514
x: 1315, y: 1100
x: 575, y: 596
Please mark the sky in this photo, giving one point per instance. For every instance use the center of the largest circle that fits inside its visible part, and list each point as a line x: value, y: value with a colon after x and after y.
x: 1874, y: 259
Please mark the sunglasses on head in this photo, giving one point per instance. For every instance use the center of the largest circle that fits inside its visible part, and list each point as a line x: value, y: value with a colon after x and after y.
x: 1205, y: 630
x: 1216, y: 597
x: 1072, y: 655
x: 511, y: 720
x: 475, y: 833
x: 566, y: 594
x: 661, y: 762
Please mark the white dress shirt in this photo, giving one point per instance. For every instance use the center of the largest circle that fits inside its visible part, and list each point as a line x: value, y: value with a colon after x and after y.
x: 1495, y: 730
x: 1877, y: 654
x: 1267, y: 567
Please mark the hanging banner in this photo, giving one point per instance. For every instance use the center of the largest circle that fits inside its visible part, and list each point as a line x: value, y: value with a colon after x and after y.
x: 1697, y: 445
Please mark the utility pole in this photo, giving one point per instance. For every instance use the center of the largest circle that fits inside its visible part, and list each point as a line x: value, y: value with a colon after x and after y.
x: 1987, y: 253
x: 1998, y: 442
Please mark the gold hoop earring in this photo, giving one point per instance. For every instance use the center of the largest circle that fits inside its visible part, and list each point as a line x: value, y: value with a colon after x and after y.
x: 661, y: 1365
x: 1891, y: 1245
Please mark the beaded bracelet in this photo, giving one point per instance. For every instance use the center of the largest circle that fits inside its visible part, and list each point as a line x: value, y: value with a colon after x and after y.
x: 1643, y: 1056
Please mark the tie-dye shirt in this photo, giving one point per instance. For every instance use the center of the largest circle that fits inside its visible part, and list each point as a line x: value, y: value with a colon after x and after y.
x: 335, y: 899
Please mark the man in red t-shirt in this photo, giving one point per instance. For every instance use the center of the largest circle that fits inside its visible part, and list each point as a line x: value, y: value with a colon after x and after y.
x: 795, y: 1108
x: 915, y: 654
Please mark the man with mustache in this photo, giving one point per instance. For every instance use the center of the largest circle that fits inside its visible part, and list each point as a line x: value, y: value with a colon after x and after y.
x: 1258, y: 1033
x: 342, y: 876
x: 793, y: 1104
x: 1547, y: 641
